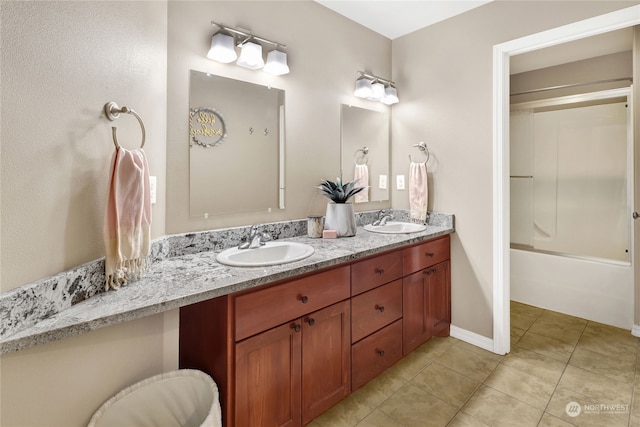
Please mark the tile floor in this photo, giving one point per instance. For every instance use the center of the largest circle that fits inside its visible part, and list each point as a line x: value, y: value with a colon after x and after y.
x: 555, y: 360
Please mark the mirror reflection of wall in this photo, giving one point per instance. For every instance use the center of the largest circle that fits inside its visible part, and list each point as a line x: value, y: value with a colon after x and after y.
x: 242, y: 172
x: 366, y: 128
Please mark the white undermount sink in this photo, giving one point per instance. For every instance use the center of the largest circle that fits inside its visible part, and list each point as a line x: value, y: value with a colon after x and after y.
x: 396, y: 228
x: 272, y: 253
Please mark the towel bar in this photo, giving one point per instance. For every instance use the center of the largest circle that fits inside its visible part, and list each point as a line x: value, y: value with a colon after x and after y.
x: 112, y: 111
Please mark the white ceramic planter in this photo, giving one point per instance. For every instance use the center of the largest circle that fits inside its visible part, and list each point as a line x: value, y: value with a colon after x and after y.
x: 341, y: 217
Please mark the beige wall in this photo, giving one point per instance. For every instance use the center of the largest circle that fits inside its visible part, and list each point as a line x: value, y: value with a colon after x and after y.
x: 444, y: 76
x: 61, y: 61
x: 325, y: 51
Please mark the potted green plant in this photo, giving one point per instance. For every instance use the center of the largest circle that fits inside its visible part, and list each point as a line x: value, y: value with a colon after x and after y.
x: 340, y: 215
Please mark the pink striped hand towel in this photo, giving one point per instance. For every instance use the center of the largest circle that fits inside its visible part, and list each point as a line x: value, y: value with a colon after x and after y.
x: 418, y: 192
x: 361, y: 176
x: 127, y: 226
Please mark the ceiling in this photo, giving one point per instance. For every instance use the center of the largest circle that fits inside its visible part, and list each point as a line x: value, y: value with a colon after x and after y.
x: 395, y: 18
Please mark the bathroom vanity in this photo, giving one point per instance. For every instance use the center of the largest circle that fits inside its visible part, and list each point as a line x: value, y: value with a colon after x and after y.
x: 284, y: 352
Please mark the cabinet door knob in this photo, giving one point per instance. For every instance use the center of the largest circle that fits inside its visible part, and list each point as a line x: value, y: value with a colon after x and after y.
x: 427, y: 272
x: 380, y: 271
x: 296, y: 327
x: 303, y: 298
x: 380, y: 308
x: 310, y: 321
x: 430, y: 254
x: 380, y: 353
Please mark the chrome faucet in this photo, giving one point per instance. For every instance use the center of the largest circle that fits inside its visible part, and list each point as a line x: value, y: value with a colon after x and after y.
x: 255, y: 240
x: 383, y: 217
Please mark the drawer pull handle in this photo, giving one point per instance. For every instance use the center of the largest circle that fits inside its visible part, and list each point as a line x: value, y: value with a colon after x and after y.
x: 310, y: 321
x: 380, y: 271
x: 303, y: 298
x: 380, y: 353
x: 296, y: 327
x: 380, y: 308
x: 428, y: 272
x: 430, y: 254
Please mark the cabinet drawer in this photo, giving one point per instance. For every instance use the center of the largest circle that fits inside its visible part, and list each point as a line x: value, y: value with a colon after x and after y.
x: 425, y: 255
x: 375, y: 309
x: 376, y: 271
x: 375, y: 353
x: 263, y: 309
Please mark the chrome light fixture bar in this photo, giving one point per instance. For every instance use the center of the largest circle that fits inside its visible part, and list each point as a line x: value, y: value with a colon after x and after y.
x: 223, y: 44
x: 376, y: 88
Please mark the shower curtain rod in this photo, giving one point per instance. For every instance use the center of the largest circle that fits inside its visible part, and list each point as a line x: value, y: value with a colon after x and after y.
x: 544, y: 89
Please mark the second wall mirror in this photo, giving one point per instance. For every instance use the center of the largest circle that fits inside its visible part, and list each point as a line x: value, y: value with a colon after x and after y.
x: 365, y: 147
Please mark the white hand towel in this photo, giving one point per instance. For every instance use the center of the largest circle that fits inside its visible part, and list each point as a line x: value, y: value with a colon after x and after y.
x: 361, y: 176
x: 127, y: 225
x: 418, y: 192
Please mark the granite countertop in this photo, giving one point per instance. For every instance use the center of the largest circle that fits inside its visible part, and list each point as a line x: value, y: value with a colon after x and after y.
x: 182, y: 280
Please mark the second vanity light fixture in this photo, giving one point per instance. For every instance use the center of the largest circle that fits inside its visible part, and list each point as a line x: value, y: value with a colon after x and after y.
x: 223, y: 49
x: 376, y: 89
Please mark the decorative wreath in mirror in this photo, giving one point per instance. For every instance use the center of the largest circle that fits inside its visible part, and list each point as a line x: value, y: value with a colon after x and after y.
x: 206, y: 127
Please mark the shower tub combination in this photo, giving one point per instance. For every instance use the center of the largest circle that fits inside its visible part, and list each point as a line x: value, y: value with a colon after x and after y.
x: 571, y: 185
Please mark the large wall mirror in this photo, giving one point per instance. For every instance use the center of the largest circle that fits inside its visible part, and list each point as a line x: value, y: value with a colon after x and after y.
x: 236, y: 145
x: 365, y: 146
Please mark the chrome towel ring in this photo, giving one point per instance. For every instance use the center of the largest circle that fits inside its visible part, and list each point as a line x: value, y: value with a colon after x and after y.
x: 365, y: 151
x: 112, y: 111
x: 422, y: 146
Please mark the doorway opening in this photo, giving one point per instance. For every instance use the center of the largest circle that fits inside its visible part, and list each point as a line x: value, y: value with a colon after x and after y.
x: 501, y: 195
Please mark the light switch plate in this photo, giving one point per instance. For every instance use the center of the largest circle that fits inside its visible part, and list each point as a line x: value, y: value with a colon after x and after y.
x: 152, y: 188
x: 399, y: 182
x: 382, y: 182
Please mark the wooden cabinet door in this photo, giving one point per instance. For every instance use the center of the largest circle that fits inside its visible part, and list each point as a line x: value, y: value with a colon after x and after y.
x: 267, y: 378
x: 326, y: 359
x: 415, y: 303
x: 439, y: 300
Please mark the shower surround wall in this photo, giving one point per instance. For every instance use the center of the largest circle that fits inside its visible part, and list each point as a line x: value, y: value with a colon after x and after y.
x: 569, y: 195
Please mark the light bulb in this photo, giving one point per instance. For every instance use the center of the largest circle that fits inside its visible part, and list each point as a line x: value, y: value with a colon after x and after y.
x: 363, y: 88
x: 222, y: 48
x: 276, y: 63
x: 377, y: 89
x: 251, y: 56
x: 390, y: 95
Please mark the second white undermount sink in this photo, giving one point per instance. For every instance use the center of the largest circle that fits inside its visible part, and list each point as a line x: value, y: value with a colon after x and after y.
x: 272, y: 253
x: 396, y: 228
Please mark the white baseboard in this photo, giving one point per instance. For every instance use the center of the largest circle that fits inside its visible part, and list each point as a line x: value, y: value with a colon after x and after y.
x: 473, y: 338
x: 635, y: 330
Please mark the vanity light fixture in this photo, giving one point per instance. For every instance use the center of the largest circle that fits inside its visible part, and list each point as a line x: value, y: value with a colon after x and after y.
x: 376, y: 88
x: 223, y: 49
